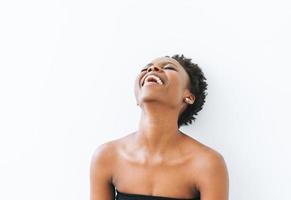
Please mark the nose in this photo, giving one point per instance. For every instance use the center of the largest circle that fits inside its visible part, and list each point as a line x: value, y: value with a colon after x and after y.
x: 154, y: 68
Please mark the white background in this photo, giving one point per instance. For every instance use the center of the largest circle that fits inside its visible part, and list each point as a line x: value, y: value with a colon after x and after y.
x: 66, y: 86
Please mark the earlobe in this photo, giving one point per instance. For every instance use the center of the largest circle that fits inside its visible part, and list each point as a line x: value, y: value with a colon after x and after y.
x: 190, y: 100
x: 189, y: 97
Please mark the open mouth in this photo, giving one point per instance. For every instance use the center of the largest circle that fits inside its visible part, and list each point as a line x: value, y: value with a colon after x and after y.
x: 152, y: 79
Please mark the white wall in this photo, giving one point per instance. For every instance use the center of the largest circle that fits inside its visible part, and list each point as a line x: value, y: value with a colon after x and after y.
x: 66, y: 86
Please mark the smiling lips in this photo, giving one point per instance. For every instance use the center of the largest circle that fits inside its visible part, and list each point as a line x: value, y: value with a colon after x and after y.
x: 150, y: 79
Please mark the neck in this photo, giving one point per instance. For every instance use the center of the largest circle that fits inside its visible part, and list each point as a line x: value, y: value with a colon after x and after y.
x: 158, y: 129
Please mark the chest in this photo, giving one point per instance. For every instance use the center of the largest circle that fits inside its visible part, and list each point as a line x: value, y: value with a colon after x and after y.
x: 165, y: 178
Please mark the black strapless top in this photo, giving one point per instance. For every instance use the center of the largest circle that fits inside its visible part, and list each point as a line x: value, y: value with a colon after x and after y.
x: 128, y: 196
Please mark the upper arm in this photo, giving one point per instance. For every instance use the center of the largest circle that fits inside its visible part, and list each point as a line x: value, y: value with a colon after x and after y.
x: 101, y: 187
x: 213, y: 180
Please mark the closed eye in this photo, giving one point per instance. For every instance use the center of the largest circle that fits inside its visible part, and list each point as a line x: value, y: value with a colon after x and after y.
x: 172, y: 68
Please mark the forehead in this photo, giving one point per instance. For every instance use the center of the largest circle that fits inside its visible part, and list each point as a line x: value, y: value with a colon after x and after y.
x: 161, y: 60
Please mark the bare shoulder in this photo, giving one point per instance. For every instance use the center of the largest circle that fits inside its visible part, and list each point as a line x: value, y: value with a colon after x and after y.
x: 104, y: 153
x: 211, y: 163
x: 107, y: 152
x: 204, y: 155
x: 209, y: 158
x: 101, y: 170
x: 211, y: 174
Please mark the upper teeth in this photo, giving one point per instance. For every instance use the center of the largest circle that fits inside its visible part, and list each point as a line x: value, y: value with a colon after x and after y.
x: 159, y: 81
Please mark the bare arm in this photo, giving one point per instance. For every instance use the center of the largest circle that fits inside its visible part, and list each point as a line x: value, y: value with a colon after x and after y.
x: 213, y: 177
x: 101, y: 187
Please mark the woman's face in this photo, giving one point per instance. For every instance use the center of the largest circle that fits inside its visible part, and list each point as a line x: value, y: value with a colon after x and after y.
x: 173, y: 89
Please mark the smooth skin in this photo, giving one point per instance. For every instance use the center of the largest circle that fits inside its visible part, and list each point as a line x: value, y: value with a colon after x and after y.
x: 158, y: 159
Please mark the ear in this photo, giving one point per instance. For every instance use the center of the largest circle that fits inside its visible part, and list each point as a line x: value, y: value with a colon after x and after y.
x: 192, y: 98
x: 184, y: 105
x: 189, y: 95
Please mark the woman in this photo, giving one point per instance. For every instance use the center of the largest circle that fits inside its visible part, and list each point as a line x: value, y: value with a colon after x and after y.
x: 158, y: 161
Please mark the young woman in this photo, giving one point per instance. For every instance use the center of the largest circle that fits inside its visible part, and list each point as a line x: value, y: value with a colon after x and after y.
x: 158, y: 161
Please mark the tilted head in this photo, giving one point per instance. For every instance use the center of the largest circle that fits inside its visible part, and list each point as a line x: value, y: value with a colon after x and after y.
x: 175, y: 82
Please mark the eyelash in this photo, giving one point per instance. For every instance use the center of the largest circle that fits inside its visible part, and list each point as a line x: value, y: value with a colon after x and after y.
x: 172, y: 68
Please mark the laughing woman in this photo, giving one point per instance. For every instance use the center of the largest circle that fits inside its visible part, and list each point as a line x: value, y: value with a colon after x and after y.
x: 158, y: 161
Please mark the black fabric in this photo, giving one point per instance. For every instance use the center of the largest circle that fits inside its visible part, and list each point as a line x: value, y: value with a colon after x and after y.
x: 127, y: 196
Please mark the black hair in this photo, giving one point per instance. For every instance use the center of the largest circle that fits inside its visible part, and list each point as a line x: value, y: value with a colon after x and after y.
x: 197, y: 87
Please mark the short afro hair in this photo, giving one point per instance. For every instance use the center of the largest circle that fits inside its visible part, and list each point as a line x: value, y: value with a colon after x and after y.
x: 197, y: 87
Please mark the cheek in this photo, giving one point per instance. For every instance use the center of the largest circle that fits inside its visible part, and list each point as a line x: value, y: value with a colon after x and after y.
x: 175, y: 81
